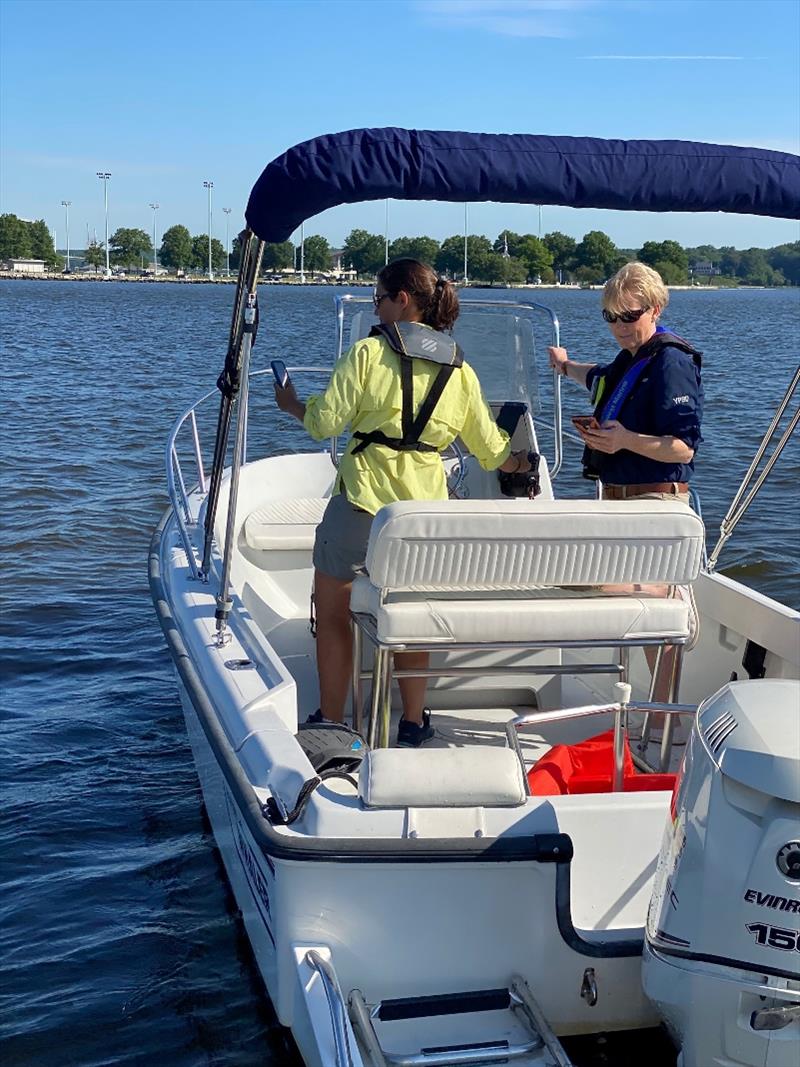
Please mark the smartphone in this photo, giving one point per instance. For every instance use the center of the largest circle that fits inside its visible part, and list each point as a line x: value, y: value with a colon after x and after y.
x: 280, y: 372
x: 586, y: 422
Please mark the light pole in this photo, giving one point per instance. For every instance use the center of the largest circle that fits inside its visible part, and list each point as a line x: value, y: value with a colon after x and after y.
x: 66, y: 204
x: 465, y: 244
x: 155, y: 208
x: 227, y: 211
x: 104, y: 175
x: 209, y: 186
x: 386, y: 235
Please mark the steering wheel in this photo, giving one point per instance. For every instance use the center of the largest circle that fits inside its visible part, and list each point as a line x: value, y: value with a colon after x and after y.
x: 455, y: 475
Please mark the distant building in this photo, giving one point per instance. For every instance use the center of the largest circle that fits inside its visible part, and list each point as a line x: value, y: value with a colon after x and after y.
x: 705, y: 268
x: 25, y: 266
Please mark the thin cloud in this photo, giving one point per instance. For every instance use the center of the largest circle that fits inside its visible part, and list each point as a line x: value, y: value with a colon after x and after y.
x: 629, y: 58
x: 508, y: 18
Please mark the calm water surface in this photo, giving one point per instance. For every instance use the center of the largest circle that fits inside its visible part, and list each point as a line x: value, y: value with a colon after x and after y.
x: 119, y: 937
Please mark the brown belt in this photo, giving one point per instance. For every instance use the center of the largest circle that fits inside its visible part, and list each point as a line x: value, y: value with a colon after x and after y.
x: 622, y: 492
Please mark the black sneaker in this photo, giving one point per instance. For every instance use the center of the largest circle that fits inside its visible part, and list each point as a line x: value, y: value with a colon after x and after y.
x: 410, y: 735
x: 317, y: 717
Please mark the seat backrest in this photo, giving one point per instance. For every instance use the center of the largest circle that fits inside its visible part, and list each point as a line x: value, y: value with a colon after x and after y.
x: 519, y: 544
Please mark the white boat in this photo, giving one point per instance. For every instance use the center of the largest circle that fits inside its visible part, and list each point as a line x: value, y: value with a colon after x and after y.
x: 421, y: 907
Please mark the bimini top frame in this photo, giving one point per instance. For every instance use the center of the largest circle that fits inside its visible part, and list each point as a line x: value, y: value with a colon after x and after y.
x: 375, y: 164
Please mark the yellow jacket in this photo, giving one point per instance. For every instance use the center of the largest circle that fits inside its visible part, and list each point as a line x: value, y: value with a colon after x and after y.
x: 364, y: 392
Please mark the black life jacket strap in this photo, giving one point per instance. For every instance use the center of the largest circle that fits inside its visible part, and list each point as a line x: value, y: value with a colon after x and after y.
x: 411, y: 427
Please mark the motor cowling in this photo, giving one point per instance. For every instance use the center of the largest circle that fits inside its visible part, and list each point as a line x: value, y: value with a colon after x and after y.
x: 722, y: 946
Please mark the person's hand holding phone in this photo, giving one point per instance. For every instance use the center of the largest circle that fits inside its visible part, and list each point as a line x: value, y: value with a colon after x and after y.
x: 285, y: 395
x: 582, y: 423
x: 610, y: 437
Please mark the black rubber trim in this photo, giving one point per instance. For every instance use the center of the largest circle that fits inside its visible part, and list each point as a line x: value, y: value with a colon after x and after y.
x: 721, y: 961
x: 444, y: 1004
x: 532, y: 848
x: 598, y: 950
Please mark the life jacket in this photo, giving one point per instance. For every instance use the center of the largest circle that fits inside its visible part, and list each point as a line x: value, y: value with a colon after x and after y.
x: 411, y: 340
x: 604, y: 384
x: 612, y: 389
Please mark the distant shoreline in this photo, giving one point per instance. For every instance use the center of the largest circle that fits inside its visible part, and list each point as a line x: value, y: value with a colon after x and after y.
x: 8, y: 275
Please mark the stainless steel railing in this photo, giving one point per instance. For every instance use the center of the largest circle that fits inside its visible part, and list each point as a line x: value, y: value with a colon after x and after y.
x: 619, y: 709
x: 336, y: 1007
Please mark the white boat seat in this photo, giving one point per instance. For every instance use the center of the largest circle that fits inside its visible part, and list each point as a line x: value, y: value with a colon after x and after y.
x: 540, y: 617
x: 476, y: 776
x: 519, y: 544
x: 530, y: 573
x: 285, y: 524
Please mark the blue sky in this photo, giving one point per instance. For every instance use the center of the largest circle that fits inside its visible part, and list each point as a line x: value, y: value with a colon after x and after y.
x: 167, y: 94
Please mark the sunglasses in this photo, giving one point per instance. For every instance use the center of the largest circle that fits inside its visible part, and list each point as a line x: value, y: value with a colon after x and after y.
x: 624, y: 316
x: 376, y: 300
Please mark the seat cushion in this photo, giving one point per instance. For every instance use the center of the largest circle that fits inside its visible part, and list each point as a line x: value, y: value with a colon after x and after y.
x: 538, y: 616
x: 522, y: 544
x: 285, y: 524
x: 477, y: 776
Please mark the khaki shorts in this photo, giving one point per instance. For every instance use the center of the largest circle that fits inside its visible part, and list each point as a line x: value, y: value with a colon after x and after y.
x: 341, y: 542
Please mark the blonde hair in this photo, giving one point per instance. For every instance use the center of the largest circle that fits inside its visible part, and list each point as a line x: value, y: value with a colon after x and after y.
x: 637, y: 282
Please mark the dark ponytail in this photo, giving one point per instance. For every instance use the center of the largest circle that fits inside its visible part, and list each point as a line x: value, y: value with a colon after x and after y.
x: 435, y: 297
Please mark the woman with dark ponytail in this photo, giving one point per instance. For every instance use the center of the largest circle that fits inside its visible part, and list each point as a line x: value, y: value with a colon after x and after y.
x: 407, y: 393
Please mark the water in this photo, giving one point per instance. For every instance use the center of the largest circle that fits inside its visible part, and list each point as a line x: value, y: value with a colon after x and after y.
x: 118, y: 933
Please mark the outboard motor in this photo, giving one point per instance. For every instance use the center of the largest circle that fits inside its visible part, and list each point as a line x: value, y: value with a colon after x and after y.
x: 722, y: 945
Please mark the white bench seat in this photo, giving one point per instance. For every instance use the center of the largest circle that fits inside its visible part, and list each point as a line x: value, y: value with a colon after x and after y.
x: 538, y: 618
x: 285, y: 524
x: 526, y: 573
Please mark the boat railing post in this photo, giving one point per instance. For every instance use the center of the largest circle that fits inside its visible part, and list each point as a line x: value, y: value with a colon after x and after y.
x: 224, y: 602
x: 336, y: 1006
x: 198, y: 455
x: 739, y: 505
x: 623, y: 693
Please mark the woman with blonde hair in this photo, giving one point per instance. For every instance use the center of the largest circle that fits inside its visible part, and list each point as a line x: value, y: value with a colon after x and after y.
x: 648, y: 405
x: 648, y: 402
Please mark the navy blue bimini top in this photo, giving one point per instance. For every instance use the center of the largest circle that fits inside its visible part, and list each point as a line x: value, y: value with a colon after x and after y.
x: 666, y: 401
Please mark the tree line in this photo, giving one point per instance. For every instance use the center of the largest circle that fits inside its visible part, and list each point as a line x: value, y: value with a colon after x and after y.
x: 512, y: 258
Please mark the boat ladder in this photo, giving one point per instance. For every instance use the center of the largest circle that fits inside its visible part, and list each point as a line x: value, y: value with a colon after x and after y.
x: 504, y: 1025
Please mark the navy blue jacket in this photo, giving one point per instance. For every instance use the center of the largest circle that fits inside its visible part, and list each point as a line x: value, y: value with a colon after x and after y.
x: 666, y: 401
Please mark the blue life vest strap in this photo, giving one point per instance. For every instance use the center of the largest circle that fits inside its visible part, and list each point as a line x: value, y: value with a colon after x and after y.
x: 646, y: 354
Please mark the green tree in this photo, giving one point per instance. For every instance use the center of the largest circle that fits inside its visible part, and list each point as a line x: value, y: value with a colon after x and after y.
x: 450, y: 258
x: 425, y: 249
x: 562, y: 248
x: 597, y: 255
x: 317, y: 253
x: 729, y: 260
x: 653, y: 252
x: 671, y: 273
x: 42, y: 243
x: 176, y: 248
x: 199, y: 258
x: 754, y: 269
x: 505, y: 270
x: 236, y: 253
x: 15, y: 238
x: 130, y: 247
x: 278, y: 256
x: 365, y: 251
x: 786, y: 259
x: 95, y: 255
x: 536, y: 256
